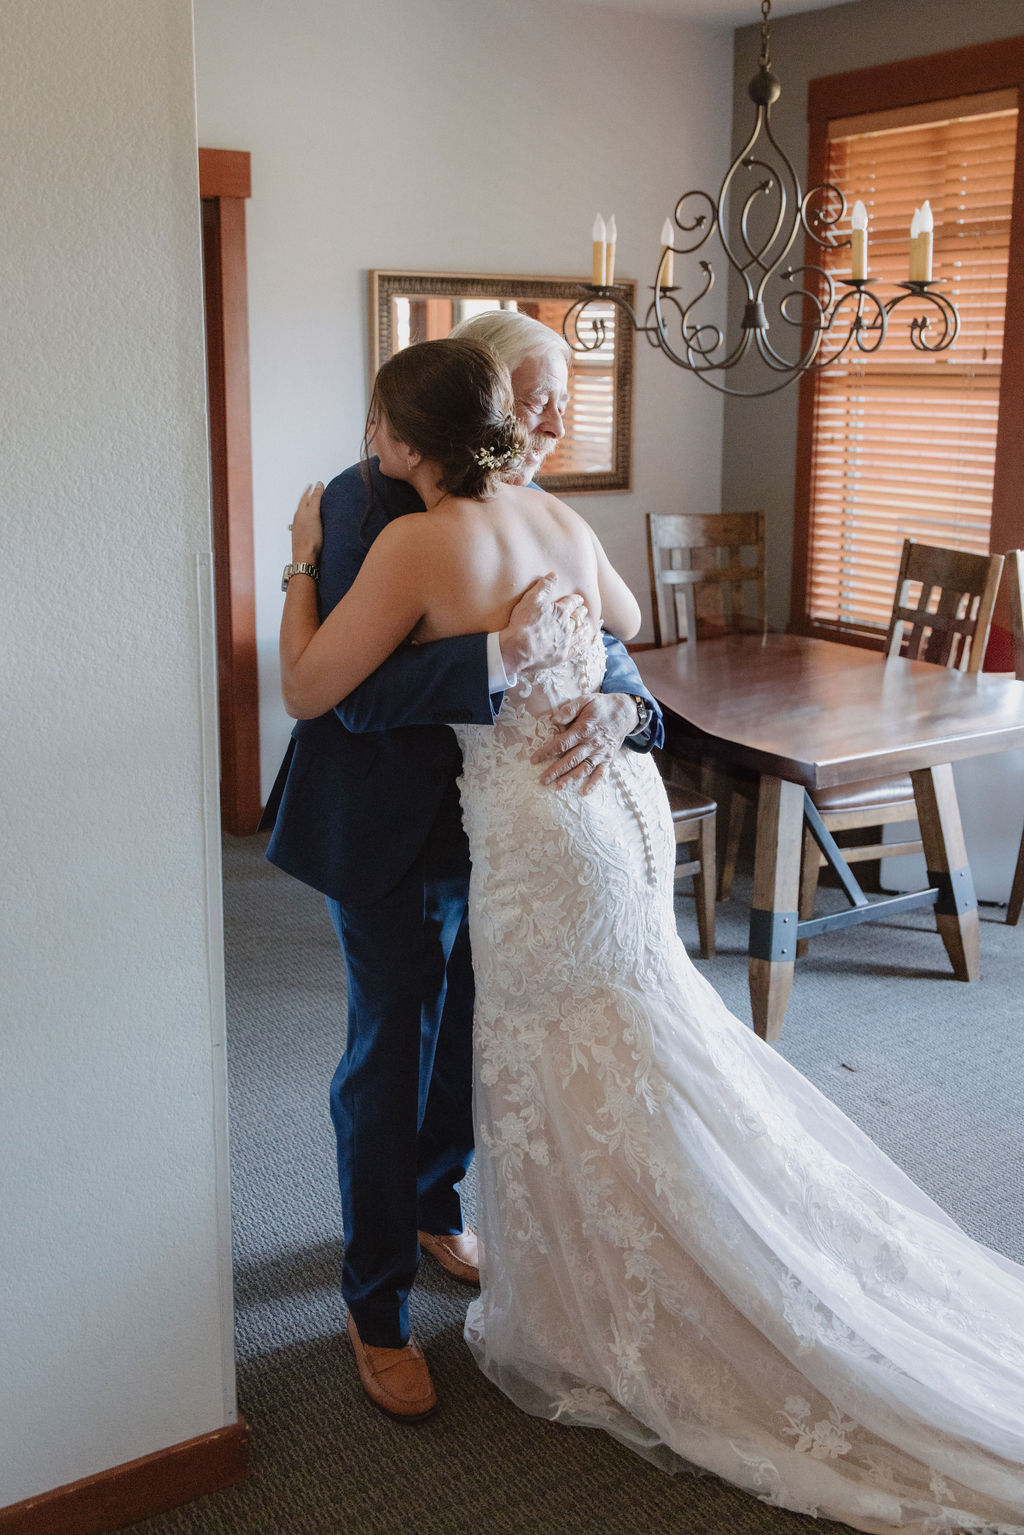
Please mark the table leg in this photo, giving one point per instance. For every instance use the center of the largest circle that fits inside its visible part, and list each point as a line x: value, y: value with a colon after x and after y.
x: 773, y: 917
x: 719, y: 787
x: 945, y: 852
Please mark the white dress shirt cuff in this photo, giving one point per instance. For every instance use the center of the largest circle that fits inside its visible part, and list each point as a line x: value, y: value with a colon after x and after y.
x: 497, y: 677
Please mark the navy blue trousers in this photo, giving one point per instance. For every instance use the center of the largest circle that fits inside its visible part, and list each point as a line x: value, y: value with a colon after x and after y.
x: 401, y: 1098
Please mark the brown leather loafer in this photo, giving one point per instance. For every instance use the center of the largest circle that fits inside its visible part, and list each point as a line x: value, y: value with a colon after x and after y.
x: 395, y: 1379
x: 457, y: 1253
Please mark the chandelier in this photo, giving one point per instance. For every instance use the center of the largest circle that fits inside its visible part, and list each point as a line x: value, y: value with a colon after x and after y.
x: 829, y: 317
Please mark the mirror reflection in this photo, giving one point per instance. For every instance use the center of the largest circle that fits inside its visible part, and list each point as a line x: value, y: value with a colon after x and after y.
x: 596, y: 452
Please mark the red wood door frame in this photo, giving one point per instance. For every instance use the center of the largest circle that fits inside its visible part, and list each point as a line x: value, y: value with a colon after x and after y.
x: 224, y: 184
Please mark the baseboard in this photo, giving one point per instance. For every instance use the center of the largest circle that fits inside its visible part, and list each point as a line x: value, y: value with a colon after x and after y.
x: 138, y: 1489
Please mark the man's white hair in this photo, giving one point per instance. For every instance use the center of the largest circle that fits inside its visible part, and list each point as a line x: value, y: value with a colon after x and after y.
x: 513, y: 336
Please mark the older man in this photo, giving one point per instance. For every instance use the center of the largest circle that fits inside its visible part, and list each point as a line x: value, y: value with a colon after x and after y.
x: 594, y: 728
x: 369, y: 814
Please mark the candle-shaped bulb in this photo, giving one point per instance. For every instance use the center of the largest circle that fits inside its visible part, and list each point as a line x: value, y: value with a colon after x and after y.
x: 611, y: 235
x: 925, y: 241
x: 597, y: 237
x: 859, y: 242
x: 665, y: 271
x: 914, y: 273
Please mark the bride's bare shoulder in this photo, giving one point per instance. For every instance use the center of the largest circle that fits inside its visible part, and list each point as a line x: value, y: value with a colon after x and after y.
x: 552, y: 506
x: 412, y: 542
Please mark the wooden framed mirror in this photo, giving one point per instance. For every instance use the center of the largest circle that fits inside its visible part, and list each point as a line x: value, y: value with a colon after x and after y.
x: 596, y: 453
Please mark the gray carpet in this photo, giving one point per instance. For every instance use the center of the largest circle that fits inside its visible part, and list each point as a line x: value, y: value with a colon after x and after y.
x: 927, y: 1065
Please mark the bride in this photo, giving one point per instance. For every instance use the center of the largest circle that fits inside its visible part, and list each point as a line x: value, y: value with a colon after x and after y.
x: 682, y: 1241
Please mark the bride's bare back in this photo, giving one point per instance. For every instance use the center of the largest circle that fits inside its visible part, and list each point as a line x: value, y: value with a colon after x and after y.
x: 458, y: 568
x: 478, y: 557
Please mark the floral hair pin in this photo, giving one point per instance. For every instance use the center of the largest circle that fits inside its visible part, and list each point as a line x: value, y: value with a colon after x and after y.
x: 488, y: 460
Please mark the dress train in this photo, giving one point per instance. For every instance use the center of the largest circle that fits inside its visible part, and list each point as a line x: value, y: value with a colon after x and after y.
x: 682, y: 1241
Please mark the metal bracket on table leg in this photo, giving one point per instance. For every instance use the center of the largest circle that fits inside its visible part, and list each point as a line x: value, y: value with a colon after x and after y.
x: 955, y: 891
x: 773, y: 935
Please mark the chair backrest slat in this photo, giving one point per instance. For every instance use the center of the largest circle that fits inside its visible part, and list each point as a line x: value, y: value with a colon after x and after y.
x: 949, y: 622
x: 704, y: 569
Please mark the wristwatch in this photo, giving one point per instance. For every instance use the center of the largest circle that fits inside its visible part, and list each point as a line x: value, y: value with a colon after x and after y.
x: 300, y: 568
x: 643, y: 715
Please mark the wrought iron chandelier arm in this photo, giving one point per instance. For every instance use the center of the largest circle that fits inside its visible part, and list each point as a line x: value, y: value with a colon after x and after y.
x: 598, y: 333
x: 821, y: 295
x: 814, y: 220
x: 919, y: 325
x: 830, y: 327
x: 788, y: 189
x: 698, y: 222
x: 866, y: 334
x: 797, y: 297
x: 790, y: 366
x: 699, y: 341
x: 772, y: 184
x: 742, y: 161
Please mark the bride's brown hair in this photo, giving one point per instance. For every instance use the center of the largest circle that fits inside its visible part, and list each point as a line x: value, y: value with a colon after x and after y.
x: 452, y: 401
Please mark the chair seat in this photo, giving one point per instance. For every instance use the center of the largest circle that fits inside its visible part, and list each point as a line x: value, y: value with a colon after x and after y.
x: 873, y: 794
x: 688, y: 804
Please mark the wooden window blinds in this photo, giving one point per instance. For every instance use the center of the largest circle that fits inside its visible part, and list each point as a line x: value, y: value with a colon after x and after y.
x: 588, y: 444
x: 903, y: 443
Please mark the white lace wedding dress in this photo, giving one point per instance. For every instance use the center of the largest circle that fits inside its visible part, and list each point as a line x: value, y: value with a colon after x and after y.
x: 683, y: 1242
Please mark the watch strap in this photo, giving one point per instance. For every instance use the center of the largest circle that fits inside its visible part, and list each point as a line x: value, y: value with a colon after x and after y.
x: 643, y: 714
x: 299, y: 568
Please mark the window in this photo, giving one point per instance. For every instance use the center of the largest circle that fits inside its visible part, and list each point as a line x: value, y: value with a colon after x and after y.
x: 902, y: 443
x: 587, y: 447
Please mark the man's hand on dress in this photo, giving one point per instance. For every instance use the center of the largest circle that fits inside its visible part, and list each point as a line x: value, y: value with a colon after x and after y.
x: 592, y: 733
x: 541, y: 627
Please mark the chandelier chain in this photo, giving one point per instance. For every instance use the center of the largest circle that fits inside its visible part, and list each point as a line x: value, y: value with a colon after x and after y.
x: 764, y: 60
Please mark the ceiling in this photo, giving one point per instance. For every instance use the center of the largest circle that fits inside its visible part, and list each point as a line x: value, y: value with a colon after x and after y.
x: 730, y: 13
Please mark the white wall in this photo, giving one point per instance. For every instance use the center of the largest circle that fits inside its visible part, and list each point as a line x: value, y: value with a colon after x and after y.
x: 115, y: 1330
x: 463, y: 135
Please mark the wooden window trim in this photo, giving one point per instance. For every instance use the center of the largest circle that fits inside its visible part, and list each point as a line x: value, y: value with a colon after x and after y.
x: 910, y: 82
x: 914, y: 116
x: 224, y: 184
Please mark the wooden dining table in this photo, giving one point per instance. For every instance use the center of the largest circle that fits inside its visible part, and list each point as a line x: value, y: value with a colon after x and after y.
x: 807, y: 714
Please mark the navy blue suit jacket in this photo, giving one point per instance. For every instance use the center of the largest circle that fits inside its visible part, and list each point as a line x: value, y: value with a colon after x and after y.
x: 361, y: 786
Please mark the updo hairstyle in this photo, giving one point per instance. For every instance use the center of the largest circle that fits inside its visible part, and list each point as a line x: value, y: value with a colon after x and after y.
x: 452, y: 401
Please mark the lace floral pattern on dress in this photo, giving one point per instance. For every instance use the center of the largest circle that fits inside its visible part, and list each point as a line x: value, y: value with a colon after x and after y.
x: 682, y: 1241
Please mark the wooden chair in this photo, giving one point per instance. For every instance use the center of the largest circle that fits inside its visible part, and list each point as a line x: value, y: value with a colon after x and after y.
x: 693, y: 821
x: 1015, y: 582
x: 948, y: 624
x: 707, y: 578
x: 701, y: 581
